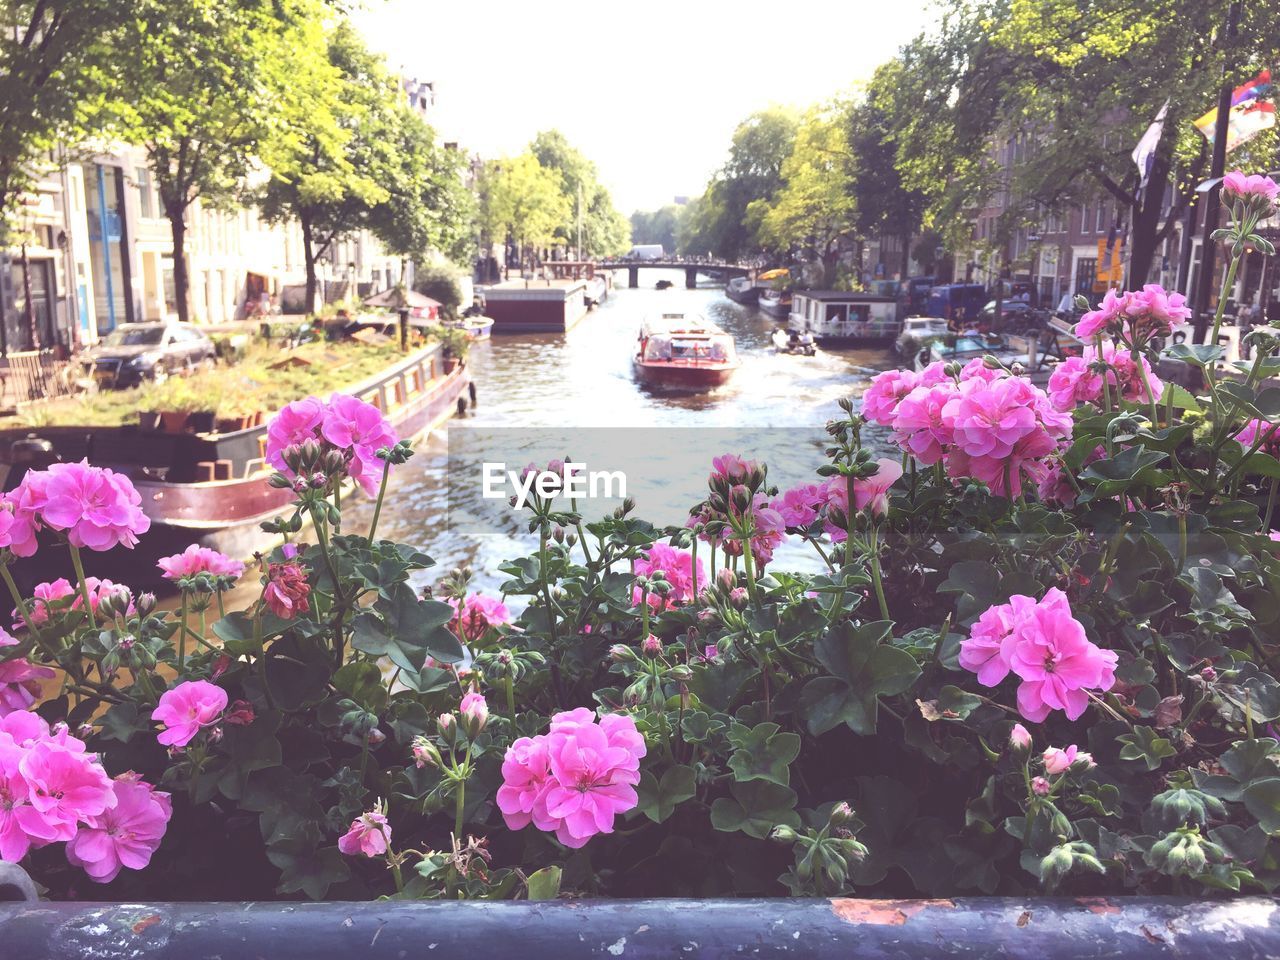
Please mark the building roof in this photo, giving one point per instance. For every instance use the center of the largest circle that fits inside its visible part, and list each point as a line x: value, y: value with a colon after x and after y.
x: 842, y: 296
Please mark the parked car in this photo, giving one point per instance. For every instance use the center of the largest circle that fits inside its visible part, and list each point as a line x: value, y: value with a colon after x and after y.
x: 135, y: 353
x: 957, y: 302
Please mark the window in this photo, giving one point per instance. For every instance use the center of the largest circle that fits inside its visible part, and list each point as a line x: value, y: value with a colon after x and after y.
x: 143, y: 176
x: 1086, y: 272
x: 1102, y: 217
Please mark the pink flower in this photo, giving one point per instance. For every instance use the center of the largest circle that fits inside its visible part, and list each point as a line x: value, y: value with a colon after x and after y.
x: 887, y: 389
x: 20, y: 684
x: 287, y: 591
x: 125, y: 835
x: 873, y: 492
x: 7, y: 639
x: 575, y: 779
x: 732, y: 467
x: 296, y: 423
x: 21, y: 825
x: 368, y: 836
x: 1041, y: 787
x: 920, y: 427
x: 1056, y: 662
x: 677, y: 569
x: 197, y: 560
x: 475, y: 712
x: 1154, y: 311
x: 1260, y: 430
x: 977, y: 369
x: 187, y: 708
x: 984, y: 651
x: 96, y: 507
x: 988, y: 419
x: 65, y: 786
x: 1058, y: 761
x: 936, y: 373
x: 17, y: 527
x: 1073, y: 383
x: 1103, y: 320
x: 799, y: 506
x: 359, y: 427
x: 477, y: 615
x: 1237, y: 183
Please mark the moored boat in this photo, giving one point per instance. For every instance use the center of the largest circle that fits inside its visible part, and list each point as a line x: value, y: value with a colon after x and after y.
x: 776, y: 303
x: 964, y: 347
x: 210, y: 489
x: 841, y: 318
x: 476, y: 327
x: 742, y: 290
x: 917, y: 332
x: 685, y: 352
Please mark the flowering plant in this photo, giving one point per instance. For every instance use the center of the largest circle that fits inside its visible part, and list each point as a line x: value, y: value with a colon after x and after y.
x: 1040, y: 654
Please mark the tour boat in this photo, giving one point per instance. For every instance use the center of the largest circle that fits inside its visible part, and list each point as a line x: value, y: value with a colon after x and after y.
x: 211, y: 489
x: 475, y: 327
x: 684, y: 351
x: 776, y: 303
x: 841, y: 318
x: 742, y: 290
x: 794, y: 342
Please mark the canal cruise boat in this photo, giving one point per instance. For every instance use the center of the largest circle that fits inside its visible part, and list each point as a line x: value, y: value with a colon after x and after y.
x: 684, y: 351
x: 211, y: 489
x: 841, y: 318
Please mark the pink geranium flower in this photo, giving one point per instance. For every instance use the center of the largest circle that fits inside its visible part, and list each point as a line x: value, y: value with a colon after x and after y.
x: 525, y: 770
x: 881, y: 400
x: 1260, y: 430
x: 20, y: 684
x: 477, y: 615
x: 1057, y: 664
x: 97, y: 508
x: 872, y: 493
x: 1106, y: 319
x: 287, y: 591
x: 1239, y: 184
x: 676, y: 567
x: 1058, y: 760
x: 368, y: 835
x: 988, y: 419
x: 296, y: 423
x: 65, y: 786
x: 186, y: 709
x: 920, y: 427
x: 196, y: 560
x: 125, y: 835
x: 732, y: 467
x: 17, y: 527
x: 799, y: 506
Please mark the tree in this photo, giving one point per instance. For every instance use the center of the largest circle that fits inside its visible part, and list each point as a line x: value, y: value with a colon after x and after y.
x: 604, y: 230
x: 814, y: 215
x: 753, y: 172
x: 521, y: 199
x: 1073, y: 87
x: 206, y: 82
x: 56, y: 65
x: 657, y: 226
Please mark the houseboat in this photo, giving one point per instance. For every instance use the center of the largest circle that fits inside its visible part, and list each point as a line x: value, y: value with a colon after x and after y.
x: 475, y: 326
x: 742, y: 290
x: 211, y: 488
x: 841, y: 318
x: 683, y: 351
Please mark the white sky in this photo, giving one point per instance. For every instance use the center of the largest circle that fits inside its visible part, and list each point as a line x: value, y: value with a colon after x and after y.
x: 650, y: 91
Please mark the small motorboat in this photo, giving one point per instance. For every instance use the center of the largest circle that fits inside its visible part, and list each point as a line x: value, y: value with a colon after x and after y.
x: 664, y: 285
x: 794, y: 342
x: 918, y: 332
x: 963, y: 347
x: 742, y: 290
x: 684, y: 352
x: 475, y: 326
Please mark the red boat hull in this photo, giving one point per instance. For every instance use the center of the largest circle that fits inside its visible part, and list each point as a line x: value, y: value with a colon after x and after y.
x: 684, y: 375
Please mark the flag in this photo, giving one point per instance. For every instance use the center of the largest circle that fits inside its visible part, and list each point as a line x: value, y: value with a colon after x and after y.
x: 1250, y: 113
x: 1144, y: 153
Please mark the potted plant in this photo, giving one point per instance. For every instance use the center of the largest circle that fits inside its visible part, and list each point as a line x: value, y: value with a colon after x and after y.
x: 178, y: 402
x: 455, y: 342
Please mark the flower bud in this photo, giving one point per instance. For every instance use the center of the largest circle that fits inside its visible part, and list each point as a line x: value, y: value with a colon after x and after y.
x: 651, y: 647
x: 1019, y: 740
x: 84, y: 731
x: 726, y: 579
x: 621, y: 653
x: 738, y: 598
x: 146, y: 604
x: 215, y: 734
x: 447, y: 727
x: 376, y: 737
x: 425, y: 753
x: 1040, y: 786
x: 475, y: 713
x: 783, y: 833
x: 841, y: 814
x: 240, y: 714
x: 1208, y: 674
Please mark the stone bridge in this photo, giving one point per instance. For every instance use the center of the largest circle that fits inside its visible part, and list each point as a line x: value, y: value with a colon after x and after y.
x: 714, y: 269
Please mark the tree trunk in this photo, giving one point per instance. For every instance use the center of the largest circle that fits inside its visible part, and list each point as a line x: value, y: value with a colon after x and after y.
x: 1146, y: 218
x: 309, y: 258
x: 906, y: 255
x: 181, y: 276
x: 30, y: 311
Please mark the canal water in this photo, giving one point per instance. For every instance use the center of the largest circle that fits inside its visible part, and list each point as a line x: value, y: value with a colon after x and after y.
x: 583, y: 380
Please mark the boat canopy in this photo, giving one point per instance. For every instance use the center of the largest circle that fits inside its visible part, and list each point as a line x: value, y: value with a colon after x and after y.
x: 774, y: 274
x: 679, y: 336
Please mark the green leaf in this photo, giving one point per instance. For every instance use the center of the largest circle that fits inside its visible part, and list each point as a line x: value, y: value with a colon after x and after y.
x: 1181, y: 399
x: 362, y: 682
x: 756, y: 808
x: 544, y: 884
x: 407, y: 630
x: 1132, y: 467
x: 762, y: 752
x: 1262, y: 799
x: 297, y: 670
x: 309, y: 871
x: 1198, y: 354
x: 863, y: 669
x: 1145, y: 744
x: 121, y: 722
x: 659, y: 798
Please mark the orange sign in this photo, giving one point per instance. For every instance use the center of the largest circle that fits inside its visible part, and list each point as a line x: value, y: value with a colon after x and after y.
x: 1110, y: 269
